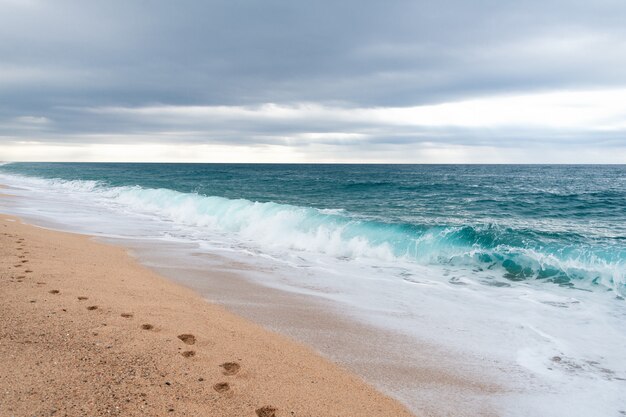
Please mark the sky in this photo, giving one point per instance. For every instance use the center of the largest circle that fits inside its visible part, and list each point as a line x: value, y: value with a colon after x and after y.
x: 447, y: 81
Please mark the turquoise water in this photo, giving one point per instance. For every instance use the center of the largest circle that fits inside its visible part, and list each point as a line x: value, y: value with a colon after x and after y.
x: 560, y: 224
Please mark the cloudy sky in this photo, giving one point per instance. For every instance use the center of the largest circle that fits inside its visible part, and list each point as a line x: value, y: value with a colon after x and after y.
x: 494, y: 81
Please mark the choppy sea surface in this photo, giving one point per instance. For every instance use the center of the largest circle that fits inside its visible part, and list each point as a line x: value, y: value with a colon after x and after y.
x: 523, y: 264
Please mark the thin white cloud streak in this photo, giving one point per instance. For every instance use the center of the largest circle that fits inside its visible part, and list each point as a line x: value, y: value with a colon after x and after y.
x: 562, y: 124
x: 426, y: 153
x: 567, y: 110
x: 145, y: 152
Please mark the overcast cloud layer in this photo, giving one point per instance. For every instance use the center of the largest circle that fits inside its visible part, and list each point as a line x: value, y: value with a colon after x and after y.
x: 349, y: 81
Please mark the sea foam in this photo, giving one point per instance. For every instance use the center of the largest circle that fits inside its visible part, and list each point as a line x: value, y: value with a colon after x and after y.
x: 517, y: 255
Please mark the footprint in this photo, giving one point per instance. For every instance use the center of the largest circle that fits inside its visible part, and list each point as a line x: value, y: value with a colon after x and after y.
x: 221, y: 387
x: 92, y: 308
x: 54, y: 291
x: 126, y: 315
x: 188, y: 339
x: 147, y: 326
x: 267, y: 411
x: 189, y: 353
x: 230, y: 368
x: 82, y: 298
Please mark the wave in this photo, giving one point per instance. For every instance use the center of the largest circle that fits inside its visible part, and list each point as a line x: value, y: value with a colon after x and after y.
x: 514, y: 254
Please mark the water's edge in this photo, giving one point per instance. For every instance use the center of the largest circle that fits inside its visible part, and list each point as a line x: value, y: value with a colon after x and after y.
x: 481, y: 328
x: 428, y: 379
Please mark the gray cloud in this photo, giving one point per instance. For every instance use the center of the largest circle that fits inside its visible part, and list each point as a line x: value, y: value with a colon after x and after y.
x: 62, y: 58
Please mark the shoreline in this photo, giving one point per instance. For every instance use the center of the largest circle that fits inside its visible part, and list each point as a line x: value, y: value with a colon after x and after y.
x: 122, y: 350
x: 425, y: 377
x: 442, y: 340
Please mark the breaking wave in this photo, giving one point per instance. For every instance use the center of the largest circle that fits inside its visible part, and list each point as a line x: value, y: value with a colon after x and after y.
x: 516, y: 254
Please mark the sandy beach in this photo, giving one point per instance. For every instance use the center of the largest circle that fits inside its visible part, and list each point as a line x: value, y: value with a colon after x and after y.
x: 85, y: 330
x: 324, y: 209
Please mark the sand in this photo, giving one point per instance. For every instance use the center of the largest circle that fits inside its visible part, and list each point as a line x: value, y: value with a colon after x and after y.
x: 85, y: 330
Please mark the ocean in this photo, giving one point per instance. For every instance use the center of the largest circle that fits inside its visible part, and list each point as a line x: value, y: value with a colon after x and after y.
x: 521, y: 264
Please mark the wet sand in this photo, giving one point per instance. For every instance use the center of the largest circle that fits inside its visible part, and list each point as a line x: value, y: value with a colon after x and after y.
x: 86, y: 330
x: 430, y: 380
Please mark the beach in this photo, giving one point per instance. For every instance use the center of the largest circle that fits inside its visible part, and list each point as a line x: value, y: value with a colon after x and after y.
x: 281, y: 209
x: 85, y: 330
x: 445, y: 314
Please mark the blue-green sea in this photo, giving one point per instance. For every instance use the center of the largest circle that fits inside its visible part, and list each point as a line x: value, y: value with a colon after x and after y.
x: 564, y: 224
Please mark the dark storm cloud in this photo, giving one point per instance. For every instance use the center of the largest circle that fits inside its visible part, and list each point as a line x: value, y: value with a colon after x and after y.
x: 62, y: 58
x: 359, y: 52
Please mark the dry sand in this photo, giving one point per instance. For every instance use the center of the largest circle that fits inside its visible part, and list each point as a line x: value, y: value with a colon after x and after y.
x: 86, y: 331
